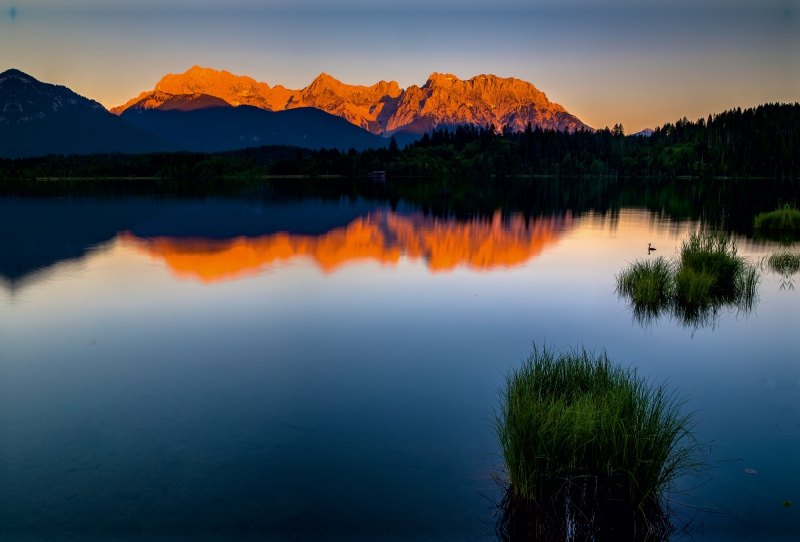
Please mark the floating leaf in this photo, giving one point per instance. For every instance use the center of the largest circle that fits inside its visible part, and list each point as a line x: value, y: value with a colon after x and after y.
x: 751, y: 471
x: 787, y: 504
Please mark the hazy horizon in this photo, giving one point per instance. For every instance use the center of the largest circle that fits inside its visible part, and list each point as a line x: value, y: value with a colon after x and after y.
x: 619, y: 63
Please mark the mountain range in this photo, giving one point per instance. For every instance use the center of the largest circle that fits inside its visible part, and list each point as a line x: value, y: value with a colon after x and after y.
x: 209, y: 110
x: 383, y: 108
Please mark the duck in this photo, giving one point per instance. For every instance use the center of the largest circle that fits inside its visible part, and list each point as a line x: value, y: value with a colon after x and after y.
x: 649, y: 248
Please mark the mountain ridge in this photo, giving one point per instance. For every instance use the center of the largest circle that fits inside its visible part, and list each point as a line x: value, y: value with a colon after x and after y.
x: 383, y: 108
x: 38, y: 118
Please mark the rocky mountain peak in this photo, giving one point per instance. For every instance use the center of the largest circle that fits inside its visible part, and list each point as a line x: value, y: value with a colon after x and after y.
x: 441, y: 80
x: 207, y: 81
x: 324, y: 83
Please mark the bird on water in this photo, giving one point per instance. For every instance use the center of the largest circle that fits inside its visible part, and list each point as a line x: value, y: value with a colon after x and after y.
x: 649, y: 248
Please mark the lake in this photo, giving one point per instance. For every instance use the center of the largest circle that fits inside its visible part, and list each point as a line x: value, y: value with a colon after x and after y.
x: 314, y: 366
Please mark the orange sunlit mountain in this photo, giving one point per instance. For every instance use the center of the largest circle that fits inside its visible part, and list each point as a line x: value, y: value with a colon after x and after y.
x: 383, y: 108
x: 384, y: 237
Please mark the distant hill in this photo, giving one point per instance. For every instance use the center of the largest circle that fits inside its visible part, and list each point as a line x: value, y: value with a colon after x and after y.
x: 647, y: 132
x: 383, y: 108
x: 201, y: 123
x: 38, y: 119
x: 189, y: 102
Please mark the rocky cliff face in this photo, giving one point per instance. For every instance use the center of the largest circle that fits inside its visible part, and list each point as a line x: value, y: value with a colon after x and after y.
x: 367, y: 107
x: 383, y: 108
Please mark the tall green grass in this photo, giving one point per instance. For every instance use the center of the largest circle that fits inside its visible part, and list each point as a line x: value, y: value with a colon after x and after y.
x: 649, y: 284
x: 710, y: 269
x: 572, y: 425
x: 783, y: 218
x: 707, y: 276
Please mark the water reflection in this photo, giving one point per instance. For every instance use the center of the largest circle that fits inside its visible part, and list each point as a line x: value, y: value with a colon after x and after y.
x: 698, y: 315
x: 137, y: 403
x: 37, y: 235
x: 382, y: 236
x: 786, y: 264
x: 606, y: 521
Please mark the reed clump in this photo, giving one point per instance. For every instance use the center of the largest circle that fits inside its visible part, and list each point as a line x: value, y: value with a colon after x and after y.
x: 707, y: 275
x: 647, y: 282
x: 649, y: 285
x: 783, y: 218
x: 710, y: 271
x: 575, y: 427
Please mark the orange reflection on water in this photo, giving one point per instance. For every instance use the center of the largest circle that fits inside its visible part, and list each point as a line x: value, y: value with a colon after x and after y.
x: 383, y: 236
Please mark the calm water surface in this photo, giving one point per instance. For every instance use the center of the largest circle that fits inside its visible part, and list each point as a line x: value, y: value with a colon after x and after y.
x: 326, y: 370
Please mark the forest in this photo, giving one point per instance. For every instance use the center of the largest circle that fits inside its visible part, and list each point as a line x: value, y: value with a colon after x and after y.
x: 761, y: 142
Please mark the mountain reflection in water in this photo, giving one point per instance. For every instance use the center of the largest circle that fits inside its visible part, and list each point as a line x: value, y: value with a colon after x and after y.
x: 382, y: 236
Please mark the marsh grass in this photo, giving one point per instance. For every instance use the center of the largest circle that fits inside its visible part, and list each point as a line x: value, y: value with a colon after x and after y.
x: 708, y: 267
x: 711, y: 275
x: 649, y: 285
x: 707, y: 276
x: 578, y: 432
x: 783, y: 218
x: 647, y: 282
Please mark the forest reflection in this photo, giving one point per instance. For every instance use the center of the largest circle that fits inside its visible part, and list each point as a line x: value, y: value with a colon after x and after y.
x: 383, y: 236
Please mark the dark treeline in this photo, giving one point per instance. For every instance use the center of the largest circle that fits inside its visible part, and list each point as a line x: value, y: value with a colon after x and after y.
x: 176, y: 165
x: 759, y: 142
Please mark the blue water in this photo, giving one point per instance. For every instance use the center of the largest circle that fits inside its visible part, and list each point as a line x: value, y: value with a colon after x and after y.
x: 144, y: 397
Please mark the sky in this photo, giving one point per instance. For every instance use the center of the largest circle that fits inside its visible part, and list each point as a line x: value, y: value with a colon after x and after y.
x: 638, y: 63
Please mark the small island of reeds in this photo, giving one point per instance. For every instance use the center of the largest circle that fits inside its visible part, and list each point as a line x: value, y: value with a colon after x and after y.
x: 782, y: 225
x: 786, y: 217
x: 590, y: 448
x: 707, y: 275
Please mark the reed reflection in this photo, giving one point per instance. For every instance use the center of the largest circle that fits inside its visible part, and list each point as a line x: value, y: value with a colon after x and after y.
x: 382, y: 236
x: 785, y: 263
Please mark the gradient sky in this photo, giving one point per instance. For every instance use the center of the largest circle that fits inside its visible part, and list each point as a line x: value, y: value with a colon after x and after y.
x: 635, y: 62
